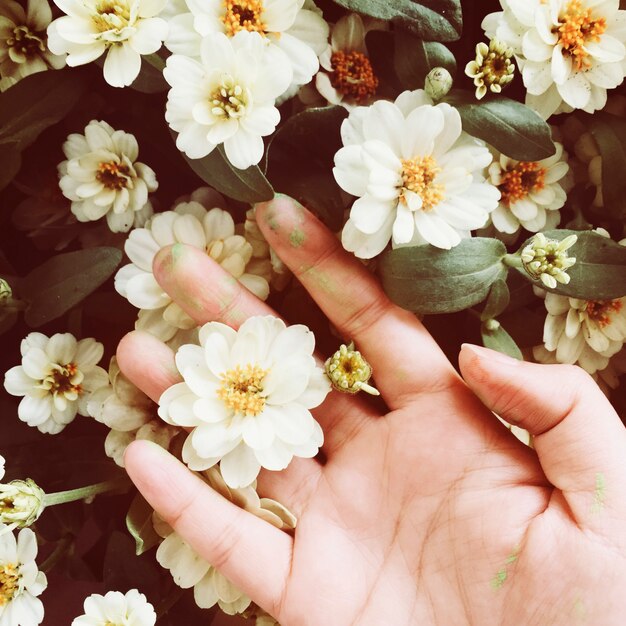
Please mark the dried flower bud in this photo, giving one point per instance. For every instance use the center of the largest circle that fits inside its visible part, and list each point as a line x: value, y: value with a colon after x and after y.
x: 21, y: 503
x: 438, y: 83
x: 547, y: 260
x: 349, y: 372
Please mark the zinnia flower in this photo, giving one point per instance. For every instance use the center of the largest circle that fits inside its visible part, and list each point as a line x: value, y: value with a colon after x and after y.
x: 117, y: 609
x: 124, y: 29
x: 199, y: 223
x: 56, y: 377
x: 492, y: 69
x: 21, y: 503
x: 20, y: 580
x: 246, y: 397
x: 103, y: 177
x: 23, y: 39
x: 417, y: 176
x: 296, y: 30
x: 532, y: 192
x: 569, y: 51
x: 227, y: 96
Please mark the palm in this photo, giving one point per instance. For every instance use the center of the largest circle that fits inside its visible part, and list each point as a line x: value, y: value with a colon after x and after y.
x: 431, y: 514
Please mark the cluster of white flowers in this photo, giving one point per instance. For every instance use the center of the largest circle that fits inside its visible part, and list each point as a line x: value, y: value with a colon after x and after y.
x: 417, y: 176
x: 197, y: 221
x: 246, y: 397
x: 56, y: 378
x: 569, y: 51
x: 188, y: 569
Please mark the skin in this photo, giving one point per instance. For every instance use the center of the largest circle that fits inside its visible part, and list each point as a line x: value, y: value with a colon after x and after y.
x: 432, y: 513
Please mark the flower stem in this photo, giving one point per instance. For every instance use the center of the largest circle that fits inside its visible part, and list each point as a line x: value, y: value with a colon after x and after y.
x: 513, y: 260
x: 60, y: 550
x: 61, y: 497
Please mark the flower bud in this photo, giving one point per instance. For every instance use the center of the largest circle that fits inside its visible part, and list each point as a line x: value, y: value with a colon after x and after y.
x: 349, y: 372
x: 547, y: 260
x: 21, y: 503
x: 438, y: 83
x: 6, y: 293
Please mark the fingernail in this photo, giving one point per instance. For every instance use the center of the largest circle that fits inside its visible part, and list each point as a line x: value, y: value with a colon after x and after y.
x: 485, y: 354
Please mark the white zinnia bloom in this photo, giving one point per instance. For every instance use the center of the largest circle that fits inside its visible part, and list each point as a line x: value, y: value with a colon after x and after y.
x: 300, y: 33
x: 196, y: 224
x: 417, y: 176
x: 103, y: 177
x: 56, y: 378
x: 246, y: 397
x: 189, y: 569
x: 227, y: 96
x: 20, y: 580
x: 117, y: 609
x: 2, y: 463
x: 531, y: 192
x: 349, y: 78
x: 23, y: 39
x: 125, y: 29
x: 587, y: 332
x: 569, y: 51
x: 128, y: 412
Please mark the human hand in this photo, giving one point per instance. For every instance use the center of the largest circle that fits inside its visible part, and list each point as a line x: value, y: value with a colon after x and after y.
x: 431, y: 514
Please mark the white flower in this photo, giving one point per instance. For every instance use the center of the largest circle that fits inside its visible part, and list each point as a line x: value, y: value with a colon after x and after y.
x: 2, y: 463
x: 23, y: 40
x: 227, y: 97
x: 189, y: 569
x: 246, y: 398
x: 569, y: 51
x: 20, y: 580
x: 128, y: 412
x: 349, y: 78
x: 117, y: 609
x: 492, y: 69
x: 21, y: 503
x: 56, y: 378
x: 548, y: 260
x: 418, y: 176
x: 125, y: 29
x: 587, y: 332
x: 193, y: 223
x: 298, y: 32
x: 531, y: 192
x: 103, y: 177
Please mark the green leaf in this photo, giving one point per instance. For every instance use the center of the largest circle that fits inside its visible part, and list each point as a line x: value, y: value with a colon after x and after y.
x: 425, y: 279
x: 600, y: 269
x: 249, y: 185
x: 498, y: 339
x: 509, y: 126
x: 300, y: 161
x: 433, y: 20
x: 64, y: 280
x: 610, y: 133
x: 414, y: 58
x: 150, y: 79
x: 497, y: 300
x: 37, y: 102
x: 139, y: 524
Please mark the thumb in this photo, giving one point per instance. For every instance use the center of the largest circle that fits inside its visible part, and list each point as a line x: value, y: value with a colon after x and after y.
x: 578, y: 436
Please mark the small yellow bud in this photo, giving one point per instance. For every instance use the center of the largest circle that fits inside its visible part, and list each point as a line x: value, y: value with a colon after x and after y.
x: 349, y: 372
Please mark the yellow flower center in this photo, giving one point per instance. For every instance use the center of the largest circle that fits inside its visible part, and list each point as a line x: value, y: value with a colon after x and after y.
x: 25, y: 43
x: 229, y: 100
x: 241, y: 389
x: 576, y: 28
x: 418, y: 176
x: 111, y: 15
x: 9, y: 582
x: 113, y: 175
x: 600, y: 311
x: 353, y: 75
x: 520, y: 180
x: 243, y: 15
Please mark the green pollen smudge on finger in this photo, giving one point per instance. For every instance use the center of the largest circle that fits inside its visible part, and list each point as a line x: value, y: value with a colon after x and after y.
x: 501, y: 575
x: 178, y: 249
x: 297, y: 238
x: 599, y: 494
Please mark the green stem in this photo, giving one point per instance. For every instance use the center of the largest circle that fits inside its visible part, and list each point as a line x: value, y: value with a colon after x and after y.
x: 60, y: 550
x: 513, y: 260
x: 61, y: 497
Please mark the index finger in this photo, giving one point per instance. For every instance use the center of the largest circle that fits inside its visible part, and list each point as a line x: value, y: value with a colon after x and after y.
x: 405, y: 358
